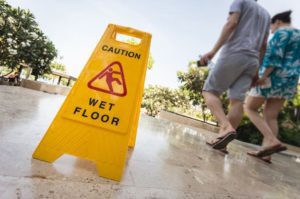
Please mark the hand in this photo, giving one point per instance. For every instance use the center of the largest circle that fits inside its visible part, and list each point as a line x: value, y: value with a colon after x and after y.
x: 206, y: 57
x: 254, y: 80
x: 261, y: 81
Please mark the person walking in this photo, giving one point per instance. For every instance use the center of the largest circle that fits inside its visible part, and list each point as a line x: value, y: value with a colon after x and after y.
x: 278, y: 80
x: 243, y: 38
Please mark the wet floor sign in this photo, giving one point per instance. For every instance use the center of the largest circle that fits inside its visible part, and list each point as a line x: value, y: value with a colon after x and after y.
x: 99, y: 118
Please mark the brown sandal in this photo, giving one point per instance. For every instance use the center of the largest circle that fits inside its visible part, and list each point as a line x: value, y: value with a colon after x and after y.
x: 222, y: 142
x: 270, y: 150
x: 254, y: 154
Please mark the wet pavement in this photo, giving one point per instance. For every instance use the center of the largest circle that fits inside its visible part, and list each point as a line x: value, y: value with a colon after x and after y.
x: 169, y: 161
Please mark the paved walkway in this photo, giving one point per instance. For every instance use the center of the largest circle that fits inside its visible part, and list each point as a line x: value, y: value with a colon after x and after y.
x: 169, y: 161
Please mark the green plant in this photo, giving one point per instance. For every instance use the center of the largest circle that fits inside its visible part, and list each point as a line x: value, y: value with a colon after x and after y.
x: 23, y: 42
x: 247, y: 132
x: 193, y: 81
x: 158, y: 98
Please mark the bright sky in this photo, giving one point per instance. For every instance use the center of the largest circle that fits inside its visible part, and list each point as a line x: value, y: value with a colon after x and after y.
x: 181, y: 30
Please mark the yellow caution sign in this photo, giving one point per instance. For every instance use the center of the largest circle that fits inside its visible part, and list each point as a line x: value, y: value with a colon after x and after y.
x: 99, y: 118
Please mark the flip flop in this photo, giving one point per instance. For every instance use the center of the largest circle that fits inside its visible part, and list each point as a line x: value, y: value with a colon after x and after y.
x: 270, y: 150
x: 266, y: 160
x: 223, y: 141
x: 212, y: 143
x: 224, y: 150
x: 260, y: 158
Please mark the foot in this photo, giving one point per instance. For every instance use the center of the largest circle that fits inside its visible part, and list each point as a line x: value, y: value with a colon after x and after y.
x: 225, y: 129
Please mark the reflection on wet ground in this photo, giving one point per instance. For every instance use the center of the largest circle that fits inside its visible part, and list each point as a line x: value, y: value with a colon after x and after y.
x: 169, y: 161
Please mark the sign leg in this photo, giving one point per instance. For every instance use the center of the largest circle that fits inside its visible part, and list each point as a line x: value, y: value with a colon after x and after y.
x: 110, y: 171
x: 46, y: 154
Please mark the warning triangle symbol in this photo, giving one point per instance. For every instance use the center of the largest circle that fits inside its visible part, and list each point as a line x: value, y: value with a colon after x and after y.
x: 110, y: 80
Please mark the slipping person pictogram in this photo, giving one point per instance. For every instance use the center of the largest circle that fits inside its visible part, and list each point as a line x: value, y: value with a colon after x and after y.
x: 110, y: 80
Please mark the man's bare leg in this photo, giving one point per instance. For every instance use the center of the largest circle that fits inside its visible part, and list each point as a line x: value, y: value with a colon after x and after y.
x: 214, y: 104
x: 235, y: 113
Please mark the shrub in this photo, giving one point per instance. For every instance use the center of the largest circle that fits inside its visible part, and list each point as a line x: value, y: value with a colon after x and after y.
x: 158, y: 98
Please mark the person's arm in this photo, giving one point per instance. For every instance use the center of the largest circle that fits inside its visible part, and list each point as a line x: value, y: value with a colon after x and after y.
x: 277, y: 47
x: 227, y: 30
